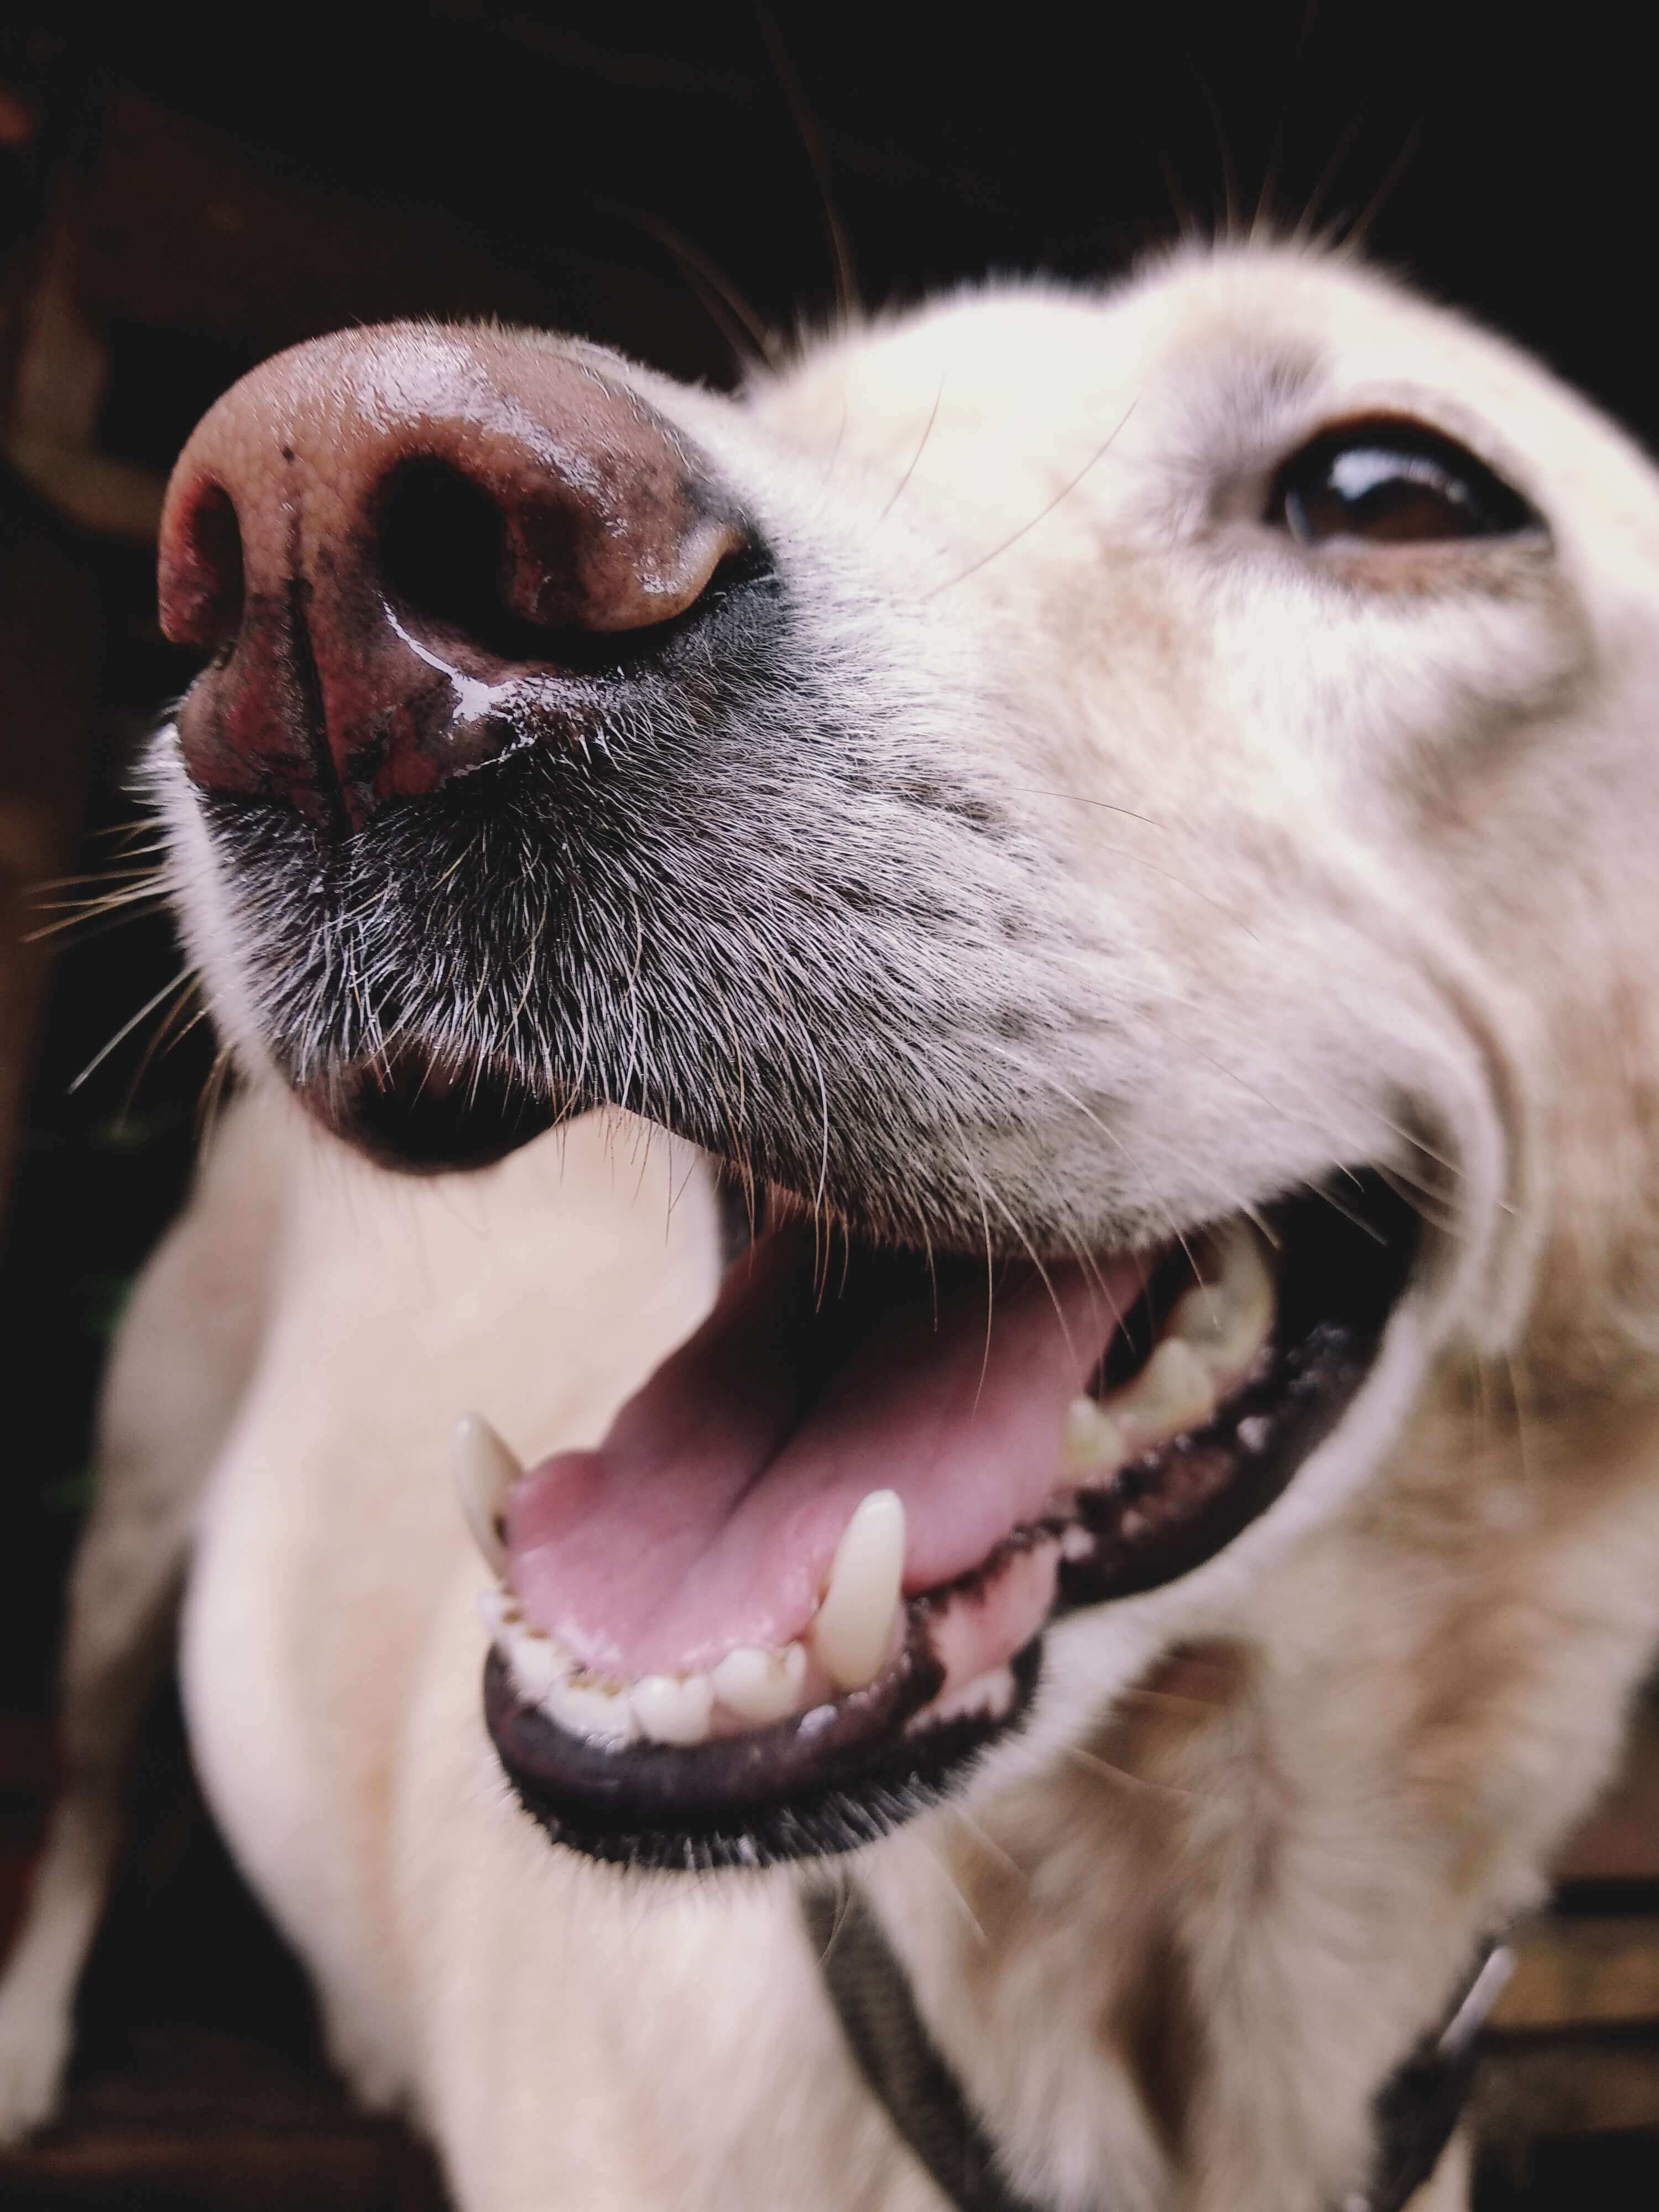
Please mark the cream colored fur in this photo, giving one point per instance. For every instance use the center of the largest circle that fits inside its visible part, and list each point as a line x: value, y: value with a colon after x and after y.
x: 1355, y: 851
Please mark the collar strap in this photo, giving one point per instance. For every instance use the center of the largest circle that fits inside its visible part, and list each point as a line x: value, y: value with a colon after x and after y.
x: 1415, y: 2110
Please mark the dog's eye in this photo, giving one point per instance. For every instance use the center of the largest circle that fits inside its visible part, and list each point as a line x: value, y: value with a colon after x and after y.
x: 1392, y: 482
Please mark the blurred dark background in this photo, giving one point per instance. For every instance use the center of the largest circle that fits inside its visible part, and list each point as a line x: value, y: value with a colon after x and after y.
x: 182, y: 194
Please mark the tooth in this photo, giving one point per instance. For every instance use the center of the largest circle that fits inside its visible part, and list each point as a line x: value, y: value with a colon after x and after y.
x: 760, y: 1686
x: 603, y: 1717
x: 537, y: 1663
x: 853, y: 1628
x: 485, y: 1470
x: 1092, y: 1443
x: 1172, y: 1392
x: 673, y: 1708
x: 1226, y: 1320
x: 492, y: 1611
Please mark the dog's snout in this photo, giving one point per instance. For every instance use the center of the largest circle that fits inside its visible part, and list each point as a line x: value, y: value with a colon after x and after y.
x: 411, y: 550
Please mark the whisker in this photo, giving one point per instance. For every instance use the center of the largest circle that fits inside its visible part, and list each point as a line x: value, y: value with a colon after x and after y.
x: 1360, y: 230
x: 915, y: 457
x: 1065, y: 492
x: 726, y: 307
x: 812, y: 139
x: 128, y: 1027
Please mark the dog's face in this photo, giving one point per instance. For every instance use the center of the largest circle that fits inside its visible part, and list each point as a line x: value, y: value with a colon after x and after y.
x: 1066, y: 798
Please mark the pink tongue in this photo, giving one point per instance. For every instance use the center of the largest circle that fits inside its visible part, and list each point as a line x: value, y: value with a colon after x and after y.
x: 709, y: 1515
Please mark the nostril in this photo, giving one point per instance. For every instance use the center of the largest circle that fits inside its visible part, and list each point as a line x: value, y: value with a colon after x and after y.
x: 443, y: 556
x: 202, y: 587
x: 456, y: 568
x: 549, y: 582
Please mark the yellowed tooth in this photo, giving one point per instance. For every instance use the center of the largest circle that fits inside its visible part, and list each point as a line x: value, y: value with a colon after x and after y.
x: 1172, y: 1392
x: 760, y: 1686
x: 673, y: 1708
x: 485, y: 1469
x: 1227, y: 1319
x: 605, y: 1716
x: 1092, y: 1443
x: 852, y: 1632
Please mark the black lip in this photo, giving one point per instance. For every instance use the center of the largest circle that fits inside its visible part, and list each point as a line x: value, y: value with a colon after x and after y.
x: 404, y: 1108
x: 785, y: 1792
x: 817, y: 1785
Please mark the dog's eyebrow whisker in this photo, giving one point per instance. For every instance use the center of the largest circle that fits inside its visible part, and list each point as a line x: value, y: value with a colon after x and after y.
x: 1301, y: 234
x: 916, y: 457
x: 1359, y: 229
x: 1065, y: 492
x: 1077, y: 798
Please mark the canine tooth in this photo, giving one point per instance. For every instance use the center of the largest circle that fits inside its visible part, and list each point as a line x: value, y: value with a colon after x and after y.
x: 1092, y: 1443
x: 1226, y: 1320
x: 761, y: 1686
x: 1172, y: 1392
x: 485, y: 1470
x: 537, y: 1663
x: 673, y: 1708
x: 853, y: 1626
x: 492, y: 1611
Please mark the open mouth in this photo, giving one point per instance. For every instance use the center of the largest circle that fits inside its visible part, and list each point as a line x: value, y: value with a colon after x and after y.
x: 802, y: 1583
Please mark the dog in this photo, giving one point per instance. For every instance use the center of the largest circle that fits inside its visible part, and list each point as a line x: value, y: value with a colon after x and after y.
x: 1017, y: 975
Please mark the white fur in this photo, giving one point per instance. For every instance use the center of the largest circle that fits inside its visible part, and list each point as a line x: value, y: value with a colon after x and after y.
x: 1330, y: 859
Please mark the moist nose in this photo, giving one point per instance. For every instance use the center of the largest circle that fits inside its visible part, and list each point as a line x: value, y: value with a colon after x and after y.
x: 409, y: 551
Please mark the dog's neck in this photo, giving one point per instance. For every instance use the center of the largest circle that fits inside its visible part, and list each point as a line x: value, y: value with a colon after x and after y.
x: 1192, y: 1954
x: 1041, y: 1937
x: 1415, y: 2110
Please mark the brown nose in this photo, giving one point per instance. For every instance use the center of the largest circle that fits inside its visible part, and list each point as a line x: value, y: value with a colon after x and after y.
x: 412, y: 550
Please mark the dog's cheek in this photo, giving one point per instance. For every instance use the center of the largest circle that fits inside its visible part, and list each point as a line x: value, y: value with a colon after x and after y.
x: 204, y: 906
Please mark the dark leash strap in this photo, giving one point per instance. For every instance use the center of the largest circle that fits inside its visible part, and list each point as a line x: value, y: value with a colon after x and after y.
x: 1416, y: 2109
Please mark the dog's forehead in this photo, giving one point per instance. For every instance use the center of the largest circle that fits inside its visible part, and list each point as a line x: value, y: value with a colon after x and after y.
x: 1205, y: 361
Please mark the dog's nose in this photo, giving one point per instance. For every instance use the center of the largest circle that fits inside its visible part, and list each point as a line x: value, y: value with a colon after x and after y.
x: 410, y: 550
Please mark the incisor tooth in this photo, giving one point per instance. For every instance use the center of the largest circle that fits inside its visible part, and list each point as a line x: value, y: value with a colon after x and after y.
x: 1092, y: 1443
x: 1172, y: 1392
x: 1226, y: 1320
x: 673, y: 1708
x: 602, y: 1716
x: 760, y: 1686
x: 853, y: 1628
x: 485, y: 1470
